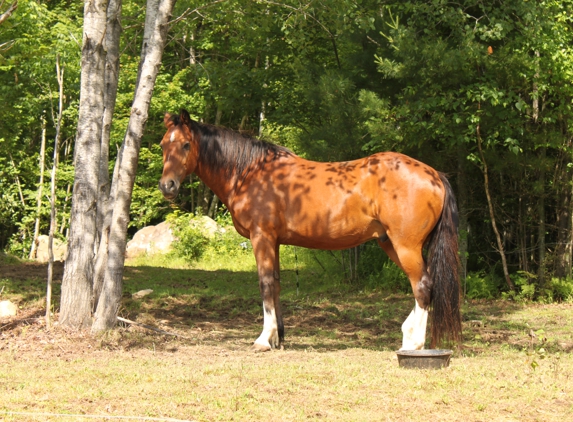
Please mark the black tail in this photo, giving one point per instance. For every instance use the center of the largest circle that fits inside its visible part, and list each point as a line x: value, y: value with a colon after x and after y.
x: 443, y: 267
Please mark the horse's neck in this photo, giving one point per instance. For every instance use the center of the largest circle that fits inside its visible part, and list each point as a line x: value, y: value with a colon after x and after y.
x: 217, y: 181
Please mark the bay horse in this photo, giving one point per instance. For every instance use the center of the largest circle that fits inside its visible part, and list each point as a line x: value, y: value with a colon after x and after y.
x: 276, y: 197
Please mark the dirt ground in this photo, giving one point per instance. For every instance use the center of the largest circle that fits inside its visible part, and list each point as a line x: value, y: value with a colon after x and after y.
x: 32, y: 270
x: 338, y: 364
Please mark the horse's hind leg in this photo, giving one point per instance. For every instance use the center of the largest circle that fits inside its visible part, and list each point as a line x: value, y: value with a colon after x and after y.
x: 410, y: 260
x: 266, y: 254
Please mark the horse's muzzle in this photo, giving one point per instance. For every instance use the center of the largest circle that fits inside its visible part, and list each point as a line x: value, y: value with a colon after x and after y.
x: 169, y: 187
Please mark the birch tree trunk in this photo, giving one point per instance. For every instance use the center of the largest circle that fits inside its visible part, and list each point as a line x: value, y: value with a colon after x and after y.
x: 108, y: 304
x: 110, y: 94
x: 40, y: 188
x: 75, y: 306
x: 8, y: 12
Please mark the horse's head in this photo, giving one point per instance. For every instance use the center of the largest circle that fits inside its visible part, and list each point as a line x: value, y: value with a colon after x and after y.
x: 180, y: 146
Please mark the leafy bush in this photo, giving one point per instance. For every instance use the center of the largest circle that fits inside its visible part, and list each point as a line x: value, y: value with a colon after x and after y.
x: 195, y: 243
x: 191, y: 242
x: 229, y: 244
x: 378, y: 271
x: 525, y: 287
x: 481, y: 286
x: 391, y: 278
x: 561, y: 290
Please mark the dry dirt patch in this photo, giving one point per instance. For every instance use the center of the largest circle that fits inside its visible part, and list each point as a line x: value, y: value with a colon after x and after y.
x: 338, y: 364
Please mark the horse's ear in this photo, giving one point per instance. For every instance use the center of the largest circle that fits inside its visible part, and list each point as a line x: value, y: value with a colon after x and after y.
x: 167, y: 121
x: 185, y: 118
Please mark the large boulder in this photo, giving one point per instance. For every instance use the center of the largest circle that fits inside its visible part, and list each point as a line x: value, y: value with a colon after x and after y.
x: 59, y: 249
x: 152, y: 240
x: 208, y: 227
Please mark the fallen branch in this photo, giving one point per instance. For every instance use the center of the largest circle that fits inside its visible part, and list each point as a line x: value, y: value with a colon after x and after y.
x: 149, y: 327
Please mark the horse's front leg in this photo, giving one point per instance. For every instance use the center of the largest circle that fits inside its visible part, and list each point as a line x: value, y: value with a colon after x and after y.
x: 266, y: 251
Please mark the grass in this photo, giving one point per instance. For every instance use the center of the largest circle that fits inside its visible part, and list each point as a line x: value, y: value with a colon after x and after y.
x: 339, y: 362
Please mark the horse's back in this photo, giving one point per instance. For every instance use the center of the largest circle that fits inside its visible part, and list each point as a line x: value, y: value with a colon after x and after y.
x: 342, y: 204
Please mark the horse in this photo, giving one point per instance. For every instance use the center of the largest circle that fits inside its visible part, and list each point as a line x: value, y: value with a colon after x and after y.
x: 278, y: 198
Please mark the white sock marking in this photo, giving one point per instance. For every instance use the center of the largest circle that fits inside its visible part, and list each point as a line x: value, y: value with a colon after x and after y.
x: 414, y: 329
x: 270, y: 335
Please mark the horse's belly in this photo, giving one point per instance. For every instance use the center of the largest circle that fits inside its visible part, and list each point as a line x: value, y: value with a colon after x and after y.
x: 332, y: 234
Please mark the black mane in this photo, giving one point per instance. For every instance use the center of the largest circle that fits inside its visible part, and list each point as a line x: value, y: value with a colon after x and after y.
x: 232, y: 151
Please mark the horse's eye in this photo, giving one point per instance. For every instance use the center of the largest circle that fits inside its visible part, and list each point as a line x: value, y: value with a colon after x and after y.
x: 186, y: 146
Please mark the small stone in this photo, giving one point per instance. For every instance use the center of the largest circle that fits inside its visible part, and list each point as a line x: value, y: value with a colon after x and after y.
x: 141, y: 294
x: 8, y: 308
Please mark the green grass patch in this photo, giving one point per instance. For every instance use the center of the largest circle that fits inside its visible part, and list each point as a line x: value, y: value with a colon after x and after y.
x: 339, y: 361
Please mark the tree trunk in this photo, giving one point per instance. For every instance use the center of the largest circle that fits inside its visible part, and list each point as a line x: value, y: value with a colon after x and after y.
x: 108, y: 304
x: 522, y: 235
x: 8, y: 12
x: 541, y: 218
x: 463, y: 212
x: 112, y: 35
x: 110, y: 94
x: 213, y: 207
x: 75, y: 307
x: 40, y: 188
x: 60, y: 78
x: 563, y: 199
x: 492, y: 214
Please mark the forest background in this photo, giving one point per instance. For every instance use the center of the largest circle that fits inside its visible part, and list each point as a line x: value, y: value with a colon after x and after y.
x: 481, y: 90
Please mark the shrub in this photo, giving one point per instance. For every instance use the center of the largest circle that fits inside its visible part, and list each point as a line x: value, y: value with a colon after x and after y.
x: 378, y: 271
x: 480, y: 286
x: 190, y: 242
x: 562, y: 289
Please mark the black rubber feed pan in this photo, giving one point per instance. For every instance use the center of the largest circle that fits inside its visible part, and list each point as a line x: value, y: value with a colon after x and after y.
x: 424, y: 359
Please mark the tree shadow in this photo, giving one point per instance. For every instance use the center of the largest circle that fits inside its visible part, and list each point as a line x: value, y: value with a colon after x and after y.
x: 223, y: 309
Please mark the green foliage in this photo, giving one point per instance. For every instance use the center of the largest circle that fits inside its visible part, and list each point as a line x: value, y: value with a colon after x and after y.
x: 194, y: 243
x: 481, y: 286
x: 560, y: 290
x: 191, y: 241
x: 377, y: 271
x: 331, y: 80
x: 228, y: 245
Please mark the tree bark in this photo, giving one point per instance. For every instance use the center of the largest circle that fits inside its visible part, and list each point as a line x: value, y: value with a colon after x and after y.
x: 75, y: 306
x: 60, y: 78
x: 541, y: 218
x: 463, y: 212
x: 17, y: 179
x: 563, y: 199
x: 113, y: 34
x: 8, y: 12
x: 108, y: 304
x: 40, y: 188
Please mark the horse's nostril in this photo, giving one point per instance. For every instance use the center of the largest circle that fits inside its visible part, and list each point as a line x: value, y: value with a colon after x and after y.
x: 169, y: 187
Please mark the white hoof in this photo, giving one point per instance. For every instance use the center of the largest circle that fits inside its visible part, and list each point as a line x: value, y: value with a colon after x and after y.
x: 267, y: 341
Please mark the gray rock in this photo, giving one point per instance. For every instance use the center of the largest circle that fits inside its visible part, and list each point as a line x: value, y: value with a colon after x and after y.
x: 59, y: 249
x: 152, y: 240
x: 7, y: 309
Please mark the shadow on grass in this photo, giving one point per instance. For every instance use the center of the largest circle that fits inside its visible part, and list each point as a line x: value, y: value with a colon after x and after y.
x: 223, y: 308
